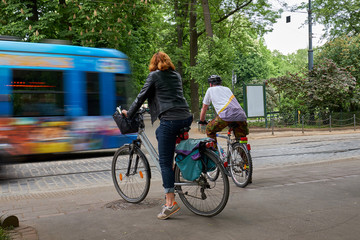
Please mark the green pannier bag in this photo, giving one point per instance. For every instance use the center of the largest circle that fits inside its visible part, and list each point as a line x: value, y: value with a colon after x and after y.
x: 190, y: 161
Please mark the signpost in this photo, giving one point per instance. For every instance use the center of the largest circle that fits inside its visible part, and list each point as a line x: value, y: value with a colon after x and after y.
x: 255, y: 101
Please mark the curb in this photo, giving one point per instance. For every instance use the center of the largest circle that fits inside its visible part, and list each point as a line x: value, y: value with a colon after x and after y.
x: 23, y: 232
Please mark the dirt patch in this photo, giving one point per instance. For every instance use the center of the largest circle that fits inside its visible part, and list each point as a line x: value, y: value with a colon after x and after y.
x: 123, y: 205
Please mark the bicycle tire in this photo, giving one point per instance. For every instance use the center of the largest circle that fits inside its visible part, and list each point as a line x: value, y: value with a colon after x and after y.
x: 216, y: 194
x: 241, y: 166
x: 134, y: 187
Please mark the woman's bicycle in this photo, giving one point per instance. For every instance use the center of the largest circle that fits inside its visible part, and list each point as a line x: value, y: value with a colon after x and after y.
x: 236, y: 158
x: 206, y: 196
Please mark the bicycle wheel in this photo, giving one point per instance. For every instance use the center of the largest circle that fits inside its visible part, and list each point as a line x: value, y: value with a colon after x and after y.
x: 131, y: 174
x: 204, y: 197
x: 241, y: 166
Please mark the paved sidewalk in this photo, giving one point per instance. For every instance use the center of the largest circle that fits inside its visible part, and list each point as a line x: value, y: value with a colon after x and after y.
x: 313, y: 201
x: 321, y: 202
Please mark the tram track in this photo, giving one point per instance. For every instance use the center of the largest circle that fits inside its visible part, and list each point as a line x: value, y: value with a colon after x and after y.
x: 54, y: 175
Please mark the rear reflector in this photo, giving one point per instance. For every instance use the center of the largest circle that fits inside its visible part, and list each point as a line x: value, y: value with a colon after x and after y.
x: 209, y: 144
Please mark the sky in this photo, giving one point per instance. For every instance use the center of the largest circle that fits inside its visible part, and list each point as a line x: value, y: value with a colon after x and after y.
x: 289, y: 37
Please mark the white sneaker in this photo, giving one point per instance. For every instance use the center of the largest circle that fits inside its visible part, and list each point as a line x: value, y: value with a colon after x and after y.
x: 166, y: 211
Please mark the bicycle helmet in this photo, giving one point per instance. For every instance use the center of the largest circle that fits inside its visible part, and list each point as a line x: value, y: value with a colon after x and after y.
x: 215, y: 79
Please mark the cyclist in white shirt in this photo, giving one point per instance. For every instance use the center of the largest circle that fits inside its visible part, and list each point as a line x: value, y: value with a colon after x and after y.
x: 227, y: 108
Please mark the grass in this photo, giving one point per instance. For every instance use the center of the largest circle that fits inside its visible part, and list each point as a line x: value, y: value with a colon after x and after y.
x: 3, y: 234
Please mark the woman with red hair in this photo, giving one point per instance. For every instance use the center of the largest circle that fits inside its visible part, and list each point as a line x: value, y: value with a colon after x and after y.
x: 164, y: 92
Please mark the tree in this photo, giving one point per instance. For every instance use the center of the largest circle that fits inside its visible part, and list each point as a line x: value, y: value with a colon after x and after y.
x: 329, y: 88
x: 338, y: 17
x: 344, y: 51
x: 220, y: 12
x: 291, y: 63
x: 123, y: 26
x: 139, y: 28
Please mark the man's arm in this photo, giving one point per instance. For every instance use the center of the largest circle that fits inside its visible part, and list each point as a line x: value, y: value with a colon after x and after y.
x: 203, y: 112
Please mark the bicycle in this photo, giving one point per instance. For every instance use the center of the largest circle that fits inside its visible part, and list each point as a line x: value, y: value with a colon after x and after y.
x: 236, y: 158
x: 131, y: 175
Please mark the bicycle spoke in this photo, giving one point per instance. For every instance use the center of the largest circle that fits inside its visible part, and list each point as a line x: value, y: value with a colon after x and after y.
x: 133, y: 187
x: 241, y: 165
x: 209, y: 195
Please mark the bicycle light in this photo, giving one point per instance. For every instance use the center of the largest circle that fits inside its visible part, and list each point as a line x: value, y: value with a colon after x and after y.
x: 248, y: 147
x: 209, y: 144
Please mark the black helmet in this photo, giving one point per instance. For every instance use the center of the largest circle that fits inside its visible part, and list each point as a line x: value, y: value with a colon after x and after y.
x: 214, y: 79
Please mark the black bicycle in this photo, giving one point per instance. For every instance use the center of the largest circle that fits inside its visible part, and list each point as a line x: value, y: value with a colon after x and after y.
x: 235, y: 157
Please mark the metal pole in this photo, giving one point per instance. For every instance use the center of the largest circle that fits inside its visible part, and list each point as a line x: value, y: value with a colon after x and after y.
x: 302, y: 120
x: 330, y: 123
x: 310, y: 52
x: 272, y: 125
x: 354, y: 122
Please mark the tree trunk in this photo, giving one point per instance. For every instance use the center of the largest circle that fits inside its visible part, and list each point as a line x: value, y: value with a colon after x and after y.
x: 34, y: 11
x: 194, y: 86
x: 180, y: 14
x: 194, y: 34
x: 207, y: 18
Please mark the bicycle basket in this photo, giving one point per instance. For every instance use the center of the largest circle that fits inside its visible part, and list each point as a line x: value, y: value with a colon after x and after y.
x: 125, y: 124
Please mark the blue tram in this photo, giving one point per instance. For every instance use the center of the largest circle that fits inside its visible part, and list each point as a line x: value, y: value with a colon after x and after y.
x: 60, y: 98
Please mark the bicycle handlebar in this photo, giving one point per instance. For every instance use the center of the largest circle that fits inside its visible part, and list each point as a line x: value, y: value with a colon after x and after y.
x: 142, y: 110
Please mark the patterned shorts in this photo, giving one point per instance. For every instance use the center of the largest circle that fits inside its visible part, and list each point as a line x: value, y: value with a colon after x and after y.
x: 217, y: 124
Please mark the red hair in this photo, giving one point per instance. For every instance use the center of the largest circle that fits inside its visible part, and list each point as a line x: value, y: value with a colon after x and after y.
x: 160, y: 61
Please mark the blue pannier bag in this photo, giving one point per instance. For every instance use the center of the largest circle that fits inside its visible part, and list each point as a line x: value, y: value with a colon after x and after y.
x: 189, y: 159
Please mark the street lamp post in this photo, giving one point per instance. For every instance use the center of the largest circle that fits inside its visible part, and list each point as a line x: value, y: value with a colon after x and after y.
x: 310, y: 52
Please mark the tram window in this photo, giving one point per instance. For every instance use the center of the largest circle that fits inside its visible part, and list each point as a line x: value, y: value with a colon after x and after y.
x: 93, y: 95
x: 123, y: 91
x: 37, y: 93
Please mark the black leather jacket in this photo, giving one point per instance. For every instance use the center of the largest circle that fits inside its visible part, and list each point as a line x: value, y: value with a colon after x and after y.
x: 164, y: 91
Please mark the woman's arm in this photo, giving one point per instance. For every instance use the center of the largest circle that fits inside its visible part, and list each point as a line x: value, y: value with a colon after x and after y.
x: 141, y: 97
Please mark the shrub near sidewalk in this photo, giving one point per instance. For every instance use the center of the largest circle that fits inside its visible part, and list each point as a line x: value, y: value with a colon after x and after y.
x: 3, y: 234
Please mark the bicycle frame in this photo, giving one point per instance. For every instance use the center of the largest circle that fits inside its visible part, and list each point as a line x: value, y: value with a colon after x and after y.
x: 154, y: 156
x: 229, y: 148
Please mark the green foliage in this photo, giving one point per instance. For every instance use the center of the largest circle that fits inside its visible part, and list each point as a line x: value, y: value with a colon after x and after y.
x: 291, y: 63
x: 344, y: 51
x: 329, y: 88
x: 3, y: 234
x: 140, y: 28
x: 338, y: 17
x: 216, y: 56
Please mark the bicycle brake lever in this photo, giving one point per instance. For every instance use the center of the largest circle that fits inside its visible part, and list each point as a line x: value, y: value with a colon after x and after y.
x: 118, y: 109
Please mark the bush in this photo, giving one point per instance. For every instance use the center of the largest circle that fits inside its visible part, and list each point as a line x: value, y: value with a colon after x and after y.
x: 3, y: 234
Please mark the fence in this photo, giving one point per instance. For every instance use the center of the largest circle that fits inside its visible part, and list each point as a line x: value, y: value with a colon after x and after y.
x: 300, y: 122
x: 306, y: 123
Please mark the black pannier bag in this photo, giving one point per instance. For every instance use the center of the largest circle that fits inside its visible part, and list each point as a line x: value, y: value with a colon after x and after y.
x: 125, y: 124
